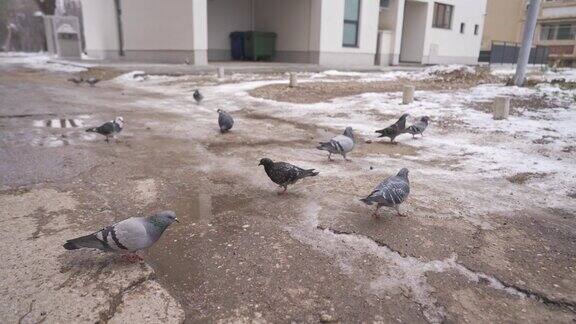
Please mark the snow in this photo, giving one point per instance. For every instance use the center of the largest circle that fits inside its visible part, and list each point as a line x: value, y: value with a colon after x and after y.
x: 476, y: 145
x: 41, y: 61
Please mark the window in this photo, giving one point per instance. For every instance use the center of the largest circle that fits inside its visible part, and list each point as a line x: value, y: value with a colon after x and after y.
x: 384, y: 4
x: 351, y: 22
x: 476, y: 29
x: 442, y: 15
x: 462, y: 26
x: 563, y: 31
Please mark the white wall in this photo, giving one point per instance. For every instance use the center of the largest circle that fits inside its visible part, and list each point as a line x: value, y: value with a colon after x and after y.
x: 331, y: 32
x: 100, y: 29
x: 224, y: 17
x: 414, y: 31
x: 449, y: 45
x: 155, y: 25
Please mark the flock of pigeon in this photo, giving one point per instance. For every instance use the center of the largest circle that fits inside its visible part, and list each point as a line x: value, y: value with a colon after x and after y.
x: 138, y: 233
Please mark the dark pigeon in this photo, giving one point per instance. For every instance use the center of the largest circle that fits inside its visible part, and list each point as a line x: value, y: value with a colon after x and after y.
x: 76, y: 80
x: 225, y: 121
x: 395, y: 129
x: 130, y: 235
x: 390, y: 193
x: 341, y: 144
x: 92, y: 81
x: 284, y: 174
x: 198, y: 96
x: 109, y: 129
x: 419, y: 127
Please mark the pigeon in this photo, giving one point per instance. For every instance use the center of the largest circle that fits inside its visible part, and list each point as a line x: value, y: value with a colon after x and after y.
x: 92, y: 81
x: 108, y: 129
x: 76, y: 80
x: 284, y: 174
x: 225, y: 121
x: 130, y: 235
x: 390, y: 193
x: 395, y: 129
x: 419, y: 127
x: 341, y: 144
x: 198, y: 96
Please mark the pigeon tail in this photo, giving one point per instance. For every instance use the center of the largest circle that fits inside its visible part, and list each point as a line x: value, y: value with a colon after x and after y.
x: 88, y: 241
x: 70, y: 246
x: 310, y: 173
x: 92, y: 130
x: 366, y: 200
x: 411, y: 130
x: 385, y: 132
x: 324, y: 146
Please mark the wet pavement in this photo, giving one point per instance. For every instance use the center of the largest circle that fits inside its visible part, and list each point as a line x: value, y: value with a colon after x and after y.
x: 242, y: 253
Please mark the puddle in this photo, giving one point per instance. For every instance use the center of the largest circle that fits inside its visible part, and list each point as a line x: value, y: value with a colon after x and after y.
x: 59, y: 123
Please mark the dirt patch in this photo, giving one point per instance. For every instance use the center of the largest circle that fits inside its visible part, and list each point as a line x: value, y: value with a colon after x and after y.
x: 313, y: 92
x: 523, y: 177
x: 518, y: 105
x: 99, y: 73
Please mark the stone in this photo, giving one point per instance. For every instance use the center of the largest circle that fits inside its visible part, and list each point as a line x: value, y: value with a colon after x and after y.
x: 408, y: 94
x: 293, y: 80
x: 501, y: 108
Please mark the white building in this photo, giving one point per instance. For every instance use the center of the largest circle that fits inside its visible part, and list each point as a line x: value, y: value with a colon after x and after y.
x: 325, y: 32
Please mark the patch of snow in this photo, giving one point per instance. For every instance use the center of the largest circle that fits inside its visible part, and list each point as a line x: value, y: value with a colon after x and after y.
x: 41, y: 61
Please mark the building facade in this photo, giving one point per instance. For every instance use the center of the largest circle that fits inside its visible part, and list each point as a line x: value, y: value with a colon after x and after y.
x: 557, y: 30
x: 325, y: 32
x: 504, y: 22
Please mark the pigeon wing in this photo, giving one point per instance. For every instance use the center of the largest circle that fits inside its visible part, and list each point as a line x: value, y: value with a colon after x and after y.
x: 106, y: 129
x: 345, y: 143
x: 225, y: 121
x: 131, y: 233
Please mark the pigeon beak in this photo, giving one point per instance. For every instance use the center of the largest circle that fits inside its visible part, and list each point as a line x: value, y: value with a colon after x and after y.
x: 259, y: 164
x: 176, y: 219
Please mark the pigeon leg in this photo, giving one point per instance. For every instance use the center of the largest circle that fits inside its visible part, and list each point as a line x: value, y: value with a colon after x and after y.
x: 397, y: 207
x: 283, y: 191
x: 107, y: 139
x: 375, y: 213
x: 329, y: 156
x: 413, y: 136
x: 344, y: 155
x: 133, y: 257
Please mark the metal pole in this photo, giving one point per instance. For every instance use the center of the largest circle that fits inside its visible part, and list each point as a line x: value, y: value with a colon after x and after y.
x: 527, y: 39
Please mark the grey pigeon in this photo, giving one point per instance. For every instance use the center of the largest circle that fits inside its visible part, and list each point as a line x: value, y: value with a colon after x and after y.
x: 395, y: 129
x: 419, y: 127
x: 341, y: 144
x: 284, y: 174
x: 390, y: 193
x: 198, y: 96
x: 225, y: 121
x: 76, y: 80
x: 108, y: 129
x: 130, y: 235
x: 92, y: 81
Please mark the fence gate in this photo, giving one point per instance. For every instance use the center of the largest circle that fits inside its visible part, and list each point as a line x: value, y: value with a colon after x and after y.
x: 507, y: 53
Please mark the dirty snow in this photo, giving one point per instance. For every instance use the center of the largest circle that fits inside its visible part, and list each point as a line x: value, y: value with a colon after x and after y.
x: 41, y: 61
x: 477, y: 144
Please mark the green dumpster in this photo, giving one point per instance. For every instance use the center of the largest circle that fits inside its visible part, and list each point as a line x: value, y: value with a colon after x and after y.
x: 259, y: 45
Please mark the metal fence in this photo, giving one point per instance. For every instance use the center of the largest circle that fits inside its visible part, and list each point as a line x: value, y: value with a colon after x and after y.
x: 507, y: 53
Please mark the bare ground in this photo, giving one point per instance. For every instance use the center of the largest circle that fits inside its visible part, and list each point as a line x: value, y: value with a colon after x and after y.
x: 243, y: 253
x: 313, y: 92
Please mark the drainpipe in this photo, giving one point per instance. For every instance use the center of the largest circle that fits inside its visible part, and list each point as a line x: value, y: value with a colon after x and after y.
x: 118, y: 8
